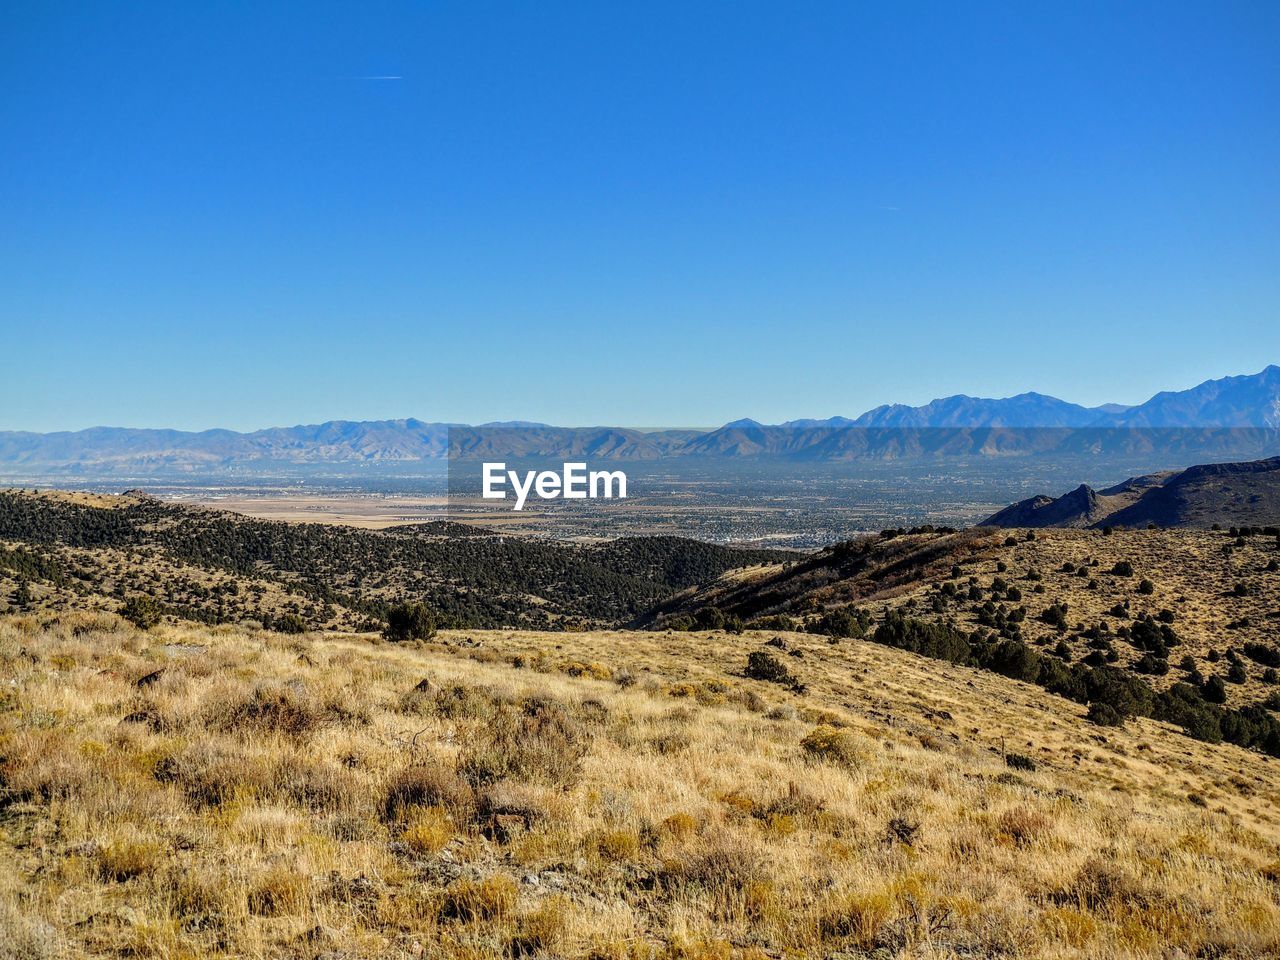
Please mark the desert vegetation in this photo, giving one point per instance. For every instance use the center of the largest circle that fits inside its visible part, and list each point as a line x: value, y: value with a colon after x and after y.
x: 1167, y: 606
x: 1104, y: 635
x: 197, y: 791
x: 82, y: 551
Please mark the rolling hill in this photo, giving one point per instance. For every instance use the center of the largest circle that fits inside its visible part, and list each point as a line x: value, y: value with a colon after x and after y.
x: 1182, y: 623
x: 1225, y: 494
x: 94, y: 552
x: 225, y: 792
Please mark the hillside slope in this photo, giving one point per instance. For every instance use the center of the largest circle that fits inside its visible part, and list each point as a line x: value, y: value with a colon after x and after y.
x: 1226, y: 494
x: 602, y: 795
x: 1077, y: 596
x: 81, y: 551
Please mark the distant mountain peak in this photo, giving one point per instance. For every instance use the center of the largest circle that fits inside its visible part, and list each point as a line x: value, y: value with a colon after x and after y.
x: 833, y: 423
x: 962, y: 411
x: 1249, y: 400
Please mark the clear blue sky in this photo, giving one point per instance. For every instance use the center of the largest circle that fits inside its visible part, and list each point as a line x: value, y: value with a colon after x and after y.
x: 650, y: 213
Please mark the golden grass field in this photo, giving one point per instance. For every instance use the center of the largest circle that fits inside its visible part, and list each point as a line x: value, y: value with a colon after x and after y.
x: 598, y: 795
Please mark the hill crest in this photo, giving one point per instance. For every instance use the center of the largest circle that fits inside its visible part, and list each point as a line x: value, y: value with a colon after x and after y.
x: 1225, y: 494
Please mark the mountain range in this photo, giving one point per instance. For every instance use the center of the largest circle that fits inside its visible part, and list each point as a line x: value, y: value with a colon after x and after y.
x: 1231, y: 416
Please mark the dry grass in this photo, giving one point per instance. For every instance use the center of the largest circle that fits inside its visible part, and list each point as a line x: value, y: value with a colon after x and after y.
x: 1190, y: 574
x: 266, y: 796
x: 1219, y: 591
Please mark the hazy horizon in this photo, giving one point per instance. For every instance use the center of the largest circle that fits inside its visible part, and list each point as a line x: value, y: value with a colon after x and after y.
x: 576, y: 426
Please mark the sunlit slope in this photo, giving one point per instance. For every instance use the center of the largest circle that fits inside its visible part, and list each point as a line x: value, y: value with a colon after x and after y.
x: 1219, y: 590
x: 611, y: 794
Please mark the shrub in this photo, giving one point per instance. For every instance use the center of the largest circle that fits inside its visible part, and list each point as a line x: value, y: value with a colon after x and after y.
x: 126, y: 859
x: 1104, y: 715
x: 713, y: 618
x: 902, y: 830
x: 846, y: 622
x: 592, y: 670
x: 1055, y: 615
x: 1014, y: 659
x: 680, y: 825
x: 777, y: 621
x: 937, y: 640
x: 1151, y: 665
x: 535, y: 740
x: 312, y: 784
x: 409, y: 621
x: 762, y: 665
x: 1252, y: 726
x: 720, y: 862
x: 1153, y: 637
x: 493, y: 898
x: 831, y: 745
x: 1018, y: 761
x: 23, y: 598
x: 1182, y: 704
x: 1123, y: 568
x: 616, y: 846
x: 1058, y: 678
x: 460, y: 702
x: 208, y: 775
x: 1127, y: 695
x: 1214, y: 690
x: 542, y: 929
x: 795, y: 803
x: 142, y: 611
x: 1024, y: 826
x: 1263, y: 653
x: 290, y: 623
x: 272, y: 708
x: 279, y: 892
x: 422, y: 786
x: 427, y: 830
